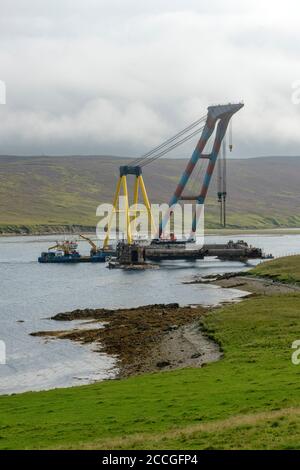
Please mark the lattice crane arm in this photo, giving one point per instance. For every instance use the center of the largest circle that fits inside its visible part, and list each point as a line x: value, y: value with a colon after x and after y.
x: 219, y: 116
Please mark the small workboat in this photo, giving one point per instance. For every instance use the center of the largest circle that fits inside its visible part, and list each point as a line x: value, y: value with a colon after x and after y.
x: 67, y: 252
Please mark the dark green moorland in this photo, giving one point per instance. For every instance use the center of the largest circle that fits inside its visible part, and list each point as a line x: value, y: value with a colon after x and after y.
x: 249, y: 399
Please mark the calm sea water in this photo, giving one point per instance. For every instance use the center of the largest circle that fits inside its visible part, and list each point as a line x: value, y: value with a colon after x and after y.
x: 31, y: 292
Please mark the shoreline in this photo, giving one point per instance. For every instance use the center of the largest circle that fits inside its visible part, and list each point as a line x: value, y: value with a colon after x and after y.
x: 25, y: 231
x: 254, y: 285
x: 145, y: 339
x: 159, y: 337
x: 251, y: 333
x: 44, y: 230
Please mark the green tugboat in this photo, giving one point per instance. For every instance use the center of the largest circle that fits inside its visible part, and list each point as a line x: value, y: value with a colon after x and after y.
x: 67, y: 252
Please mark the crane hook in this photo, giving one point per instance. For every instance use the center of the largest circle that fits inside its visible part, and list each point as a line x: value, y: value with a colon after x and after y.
x: 230, y: 136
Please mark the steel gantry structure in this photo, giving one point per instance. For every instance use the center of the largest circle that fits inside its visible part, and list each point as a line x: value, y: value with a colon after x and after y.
x: 218, y: 116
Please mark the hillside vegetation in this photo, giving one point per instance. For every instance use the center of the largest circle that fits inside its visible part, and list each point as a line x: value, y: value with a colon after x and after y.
x: 285, y: 269
x: 61, y: 191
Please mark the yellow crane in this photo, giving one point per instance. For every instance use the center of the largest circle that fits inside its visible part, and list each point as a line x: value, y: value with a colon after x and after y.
x: 94, y: 248
x: 65, y: 246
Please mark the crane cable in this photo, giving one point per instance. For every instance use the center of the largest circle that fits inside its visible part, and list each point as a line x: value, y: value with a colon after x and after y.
x: 143, y: 159
x: 172, y: 147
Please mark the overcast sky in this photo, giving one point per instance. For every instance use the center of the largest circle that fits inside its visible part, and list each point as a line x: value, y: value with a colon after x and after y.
x: 117, y: 77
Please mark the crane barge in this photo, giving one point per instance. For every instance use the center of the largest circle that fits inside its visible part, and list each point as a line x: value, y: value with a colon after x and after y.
x: 67, y: 252
x: 215, y: 122
x: 217, y: 119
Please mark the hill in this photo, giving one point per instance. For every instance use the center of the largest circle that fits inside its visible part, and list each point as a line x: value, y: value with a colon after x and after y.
x: 59, y: 191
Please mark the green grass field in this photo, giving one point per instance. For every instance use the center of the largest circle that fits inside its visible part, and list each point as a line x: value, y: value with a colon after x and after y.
x: 249, y: 399
x: 285, y: 269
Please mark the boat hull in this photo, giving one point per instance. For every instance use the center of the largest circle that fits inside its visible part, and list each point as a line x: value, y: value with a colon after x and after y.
x: 99, y: 258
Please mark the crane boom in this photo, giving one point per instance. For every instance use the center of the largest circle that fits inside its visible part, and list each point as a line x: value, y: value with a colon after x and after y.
x: 220, y: 114
x: 66, y: 246
x: 94, y: 248
x: 54, y: 246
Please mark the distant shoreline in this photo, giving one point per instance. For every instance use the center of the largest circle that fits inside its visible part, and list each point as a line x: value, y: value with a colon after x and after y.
x: 44, y: 229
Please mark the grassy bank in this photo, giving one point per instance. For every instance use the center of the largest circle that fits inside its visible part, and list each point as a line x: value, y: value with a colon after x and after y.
x: 229, y: 404
x: 285, y: 269
x: 41, y: 229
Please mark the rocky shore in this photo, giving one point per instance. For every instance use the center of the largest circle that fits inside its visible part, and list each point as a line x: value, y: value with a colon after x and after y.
x: 158, y: 337
x: 246, y: 282
x: 144, y: 339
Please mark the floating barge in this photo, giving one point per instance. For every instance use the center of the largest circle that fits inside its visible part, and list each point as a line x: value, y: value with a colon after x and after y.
x: 67, y: 252
x: 157, y: 250
x: 50, y: 257
x: 239, y: 250
x: 130, y: 257
x: 173, y: 250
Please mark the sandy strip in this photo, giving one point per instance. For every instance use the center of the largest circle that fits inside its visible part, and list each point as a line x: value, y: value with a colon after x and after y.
x: 252, y: 284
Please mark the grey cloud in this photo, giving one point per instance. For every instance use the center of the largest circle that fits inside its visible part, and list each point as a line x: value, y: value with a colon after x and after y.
x: 108, y: 77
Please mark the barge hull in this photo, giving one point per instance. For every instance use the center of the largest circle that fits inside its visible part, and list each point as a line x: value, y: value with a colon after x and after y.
x: 101, y: 258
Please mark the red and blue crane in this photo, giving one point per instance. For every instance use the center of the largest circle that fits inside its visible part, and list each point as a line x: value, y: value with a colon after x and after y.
x: 217, y: 118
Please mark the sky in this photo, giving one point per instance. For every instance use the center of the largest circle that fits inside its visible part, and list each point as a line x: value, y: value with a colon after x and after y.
x: 108, y: 77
